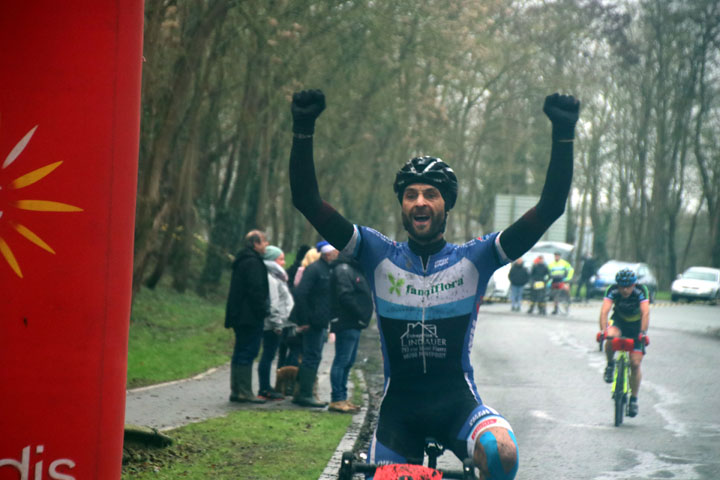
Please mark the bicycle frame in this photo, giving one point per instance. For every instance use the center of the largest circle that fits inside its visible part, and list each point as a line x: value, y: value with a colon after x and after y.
x: 621, y: 376
x: 560, y: 293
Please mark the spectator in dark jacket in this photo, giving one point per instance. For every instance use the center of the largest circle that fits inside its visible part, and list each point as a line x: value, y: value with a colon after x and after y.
x: 539, y: 275
x: 588, y: 270
x: 247, y: 306
x: 518, y: 277
x: 314, y: 310
x: 353, y: 302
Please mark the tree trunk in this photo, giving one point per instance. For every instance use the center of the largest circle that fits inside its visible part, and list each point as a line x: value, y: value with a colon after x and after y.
x: 161, y: 153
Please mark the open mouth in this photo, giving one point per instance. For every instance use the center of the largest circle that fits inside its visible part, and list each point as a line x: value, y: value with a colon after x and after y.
x: 421, y: 220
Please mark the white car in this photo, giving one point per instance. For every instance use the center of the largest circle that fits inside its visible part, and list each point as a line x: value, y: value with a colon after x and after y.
x: 697, y: 283
x: 499, y: 285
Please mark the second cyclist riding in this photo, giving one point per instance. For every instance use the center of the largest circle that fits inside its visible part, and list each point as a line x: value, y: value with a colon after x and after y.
x: 621, y: 390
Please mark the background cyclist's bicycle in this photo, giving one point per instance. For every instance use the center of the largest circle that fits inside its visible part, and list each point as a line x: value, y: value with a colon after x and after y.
x: 621, y: 376
x: 560, y: 295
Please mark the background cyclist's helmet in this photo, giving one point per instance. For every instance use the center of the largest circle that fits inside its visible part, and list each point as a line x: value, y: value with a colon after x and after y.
x: 432, y: 171
x: 625, y: 277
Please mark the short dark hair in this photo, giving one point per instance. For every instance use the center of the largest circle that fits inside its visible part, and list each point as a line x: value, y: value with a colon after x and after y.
x: 253, y: 237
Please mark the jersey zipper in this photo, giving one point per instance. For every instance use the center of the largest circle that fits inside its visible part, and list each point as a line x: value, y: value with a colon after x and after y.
x: 424, y: 298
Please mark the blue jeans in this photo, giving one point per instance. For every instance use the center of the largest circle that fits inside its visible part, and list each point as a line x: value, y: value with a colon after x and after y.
x: 346, y: 345
x: 313, y: 340
x: 270, y: 343
x: 516, y: 293
x: 291, y: 357
x: 247, y: 344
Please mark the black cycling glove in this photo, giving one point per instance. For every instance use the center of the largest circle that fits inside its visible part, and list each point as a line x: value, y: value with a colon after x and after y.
x: 563, y: 111
x: 306, y: 106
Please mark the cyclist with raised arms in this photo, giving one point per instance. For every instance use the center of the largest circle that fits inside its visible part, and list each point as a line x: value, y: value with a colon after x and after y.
x: 427, y: 293
x: 630, y: 318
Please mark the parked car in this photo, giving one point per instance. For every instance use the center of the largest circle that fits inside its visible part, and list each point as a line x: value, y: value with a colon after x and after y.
x: 499, y: 285
x: 697, y: 283
x: 605, y: 276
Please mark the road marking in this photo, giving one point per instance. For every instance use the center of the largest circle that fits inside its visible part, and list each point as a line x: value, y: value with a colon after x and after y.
x: 667, y: 406
x: 564, y: 339
x: 650, y: 466
x: 542, y: 415
x: 709, y: 430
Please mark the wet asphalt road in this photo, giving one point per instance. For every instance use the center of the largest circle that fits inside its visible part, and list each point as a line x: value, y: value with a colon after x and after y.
x: 545, y: 375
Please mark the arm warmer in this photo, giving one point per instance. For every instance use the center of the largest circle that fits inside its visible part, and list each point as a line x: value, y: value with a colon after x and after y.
x: 332, y: 226
x: 519, y: 237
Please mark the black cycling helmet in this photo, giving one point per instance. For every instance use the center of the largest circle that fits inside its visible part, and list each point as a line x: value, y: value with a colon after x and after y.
x: 432, y: 171
x: 625, y: 277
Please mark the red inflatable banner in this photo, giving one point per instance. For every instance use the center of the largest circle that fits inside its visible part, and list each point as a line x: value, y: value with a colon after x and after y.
x: 70, y: 75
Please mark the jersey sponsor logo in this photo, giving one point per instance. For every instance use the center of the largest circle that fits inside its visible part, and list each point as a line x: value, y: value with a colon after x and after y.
x: 405, y: 288
x: 439, y: 287
x: 395, y: 285
x: 477, y: 432
x: 421, y: 340
x: 442, y: 262
x: 482, y: 426
x: 484, y: 411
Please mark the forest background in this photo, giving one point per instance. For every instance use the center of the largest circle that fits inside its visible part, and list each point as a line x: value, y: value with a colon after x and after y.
x: 464, y: 80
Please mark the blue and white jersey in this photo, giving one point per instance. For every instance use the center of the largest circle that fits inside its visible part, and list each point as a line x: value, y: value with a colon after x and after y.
x: 426, y: 316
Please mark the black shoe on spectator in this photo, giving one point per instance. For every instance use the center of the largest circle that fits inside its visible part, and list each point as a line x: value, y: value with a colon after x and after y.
x: 270, y: 395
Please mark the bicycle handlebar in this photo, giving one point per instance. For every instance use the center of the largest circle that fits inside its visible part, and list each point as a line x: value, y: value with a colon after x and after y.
x: 623, y: 343
x: 371, y: 468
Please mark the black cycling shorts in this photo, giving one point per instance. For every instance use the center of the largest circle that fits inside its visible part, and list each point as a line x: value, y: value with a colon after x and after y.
x: 630, y: 330
x: 450, y: 416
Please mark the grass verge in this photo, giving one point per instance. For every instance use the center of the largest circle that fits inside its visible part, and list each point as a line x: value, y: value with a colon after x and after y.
x: 175, y: 335
x: 662, y: 295
x: 248, y: 444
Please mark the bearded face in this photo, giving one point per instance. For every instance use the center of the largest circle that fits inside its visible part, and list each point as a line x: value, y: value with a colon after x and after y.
x: 423, y: 212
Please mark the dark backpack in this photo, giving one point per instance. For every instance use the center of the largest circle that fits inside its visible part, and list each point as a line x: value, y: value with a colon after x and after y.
x: 357, y: 306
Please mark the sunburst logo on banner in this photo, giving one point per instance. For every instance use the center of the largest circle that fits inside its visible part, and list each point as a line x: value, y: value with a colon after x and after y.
x: 8, y: 204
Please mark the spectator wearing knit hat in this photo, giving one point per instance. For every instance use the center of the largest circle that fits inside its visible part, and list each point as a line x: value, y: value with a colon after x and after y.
x: 281, y: 304
x: 314, y: 309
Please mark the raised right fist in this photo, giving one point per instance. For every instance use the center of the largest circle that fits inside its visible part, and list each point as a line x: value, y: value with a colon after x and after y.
x: 306, y: 106
x: 563, y: 112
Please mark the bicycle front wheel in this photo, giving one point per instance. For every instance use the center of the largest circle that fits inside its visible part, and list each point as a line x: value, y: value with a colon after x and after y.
x: 565, y: 302
x: 619, y: 393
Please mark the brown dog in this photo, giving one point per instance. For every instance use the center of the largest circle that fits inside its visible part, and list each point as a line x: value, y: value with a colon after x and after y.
x: 286, y: 380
